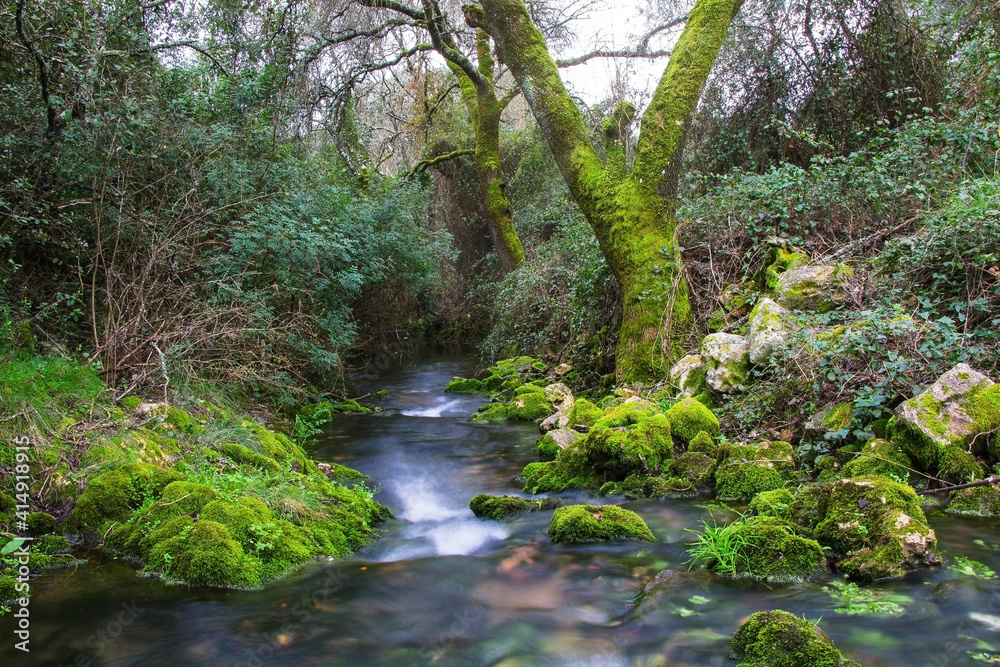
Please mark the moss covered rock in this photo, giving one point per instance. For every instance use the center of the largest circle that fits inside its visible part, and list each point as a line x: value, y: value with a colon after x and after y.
x: 880, y: 457
x: 40, y: 523
x: 818, y: 288
x: 703, y: 442
x: 746, y: 470
x: 503, y: 507
x: 951, y: 413
x: 768, y: 329
x: 689, y: 375
x: 976, y: 501
x: 688, y: 418
x: 577, y: 524
x: 780, y: 639
x: 465, y: 386
x: 241, y: 455
x: 773, y: 551
x: 553, y: 442
x: 780, y: 260
x: 727, y: 361
x: 696, y: 468
x: 491, y: 413
x: 873, y: 525
x: 114, y: 495
x: 773, y: 503
x: 529, y: 406
x: 585, y: 414
x: 572, y: 469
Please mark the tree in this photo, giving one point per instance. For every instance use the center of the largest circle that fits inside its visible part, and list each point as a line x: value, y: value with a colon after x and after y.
x: 632, y: 211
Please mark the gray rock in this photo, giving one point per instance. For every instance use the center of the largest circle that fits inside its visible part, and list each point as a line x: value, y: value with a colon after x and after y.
x: 727, y: 360
x: 688, y: 375
x: 814, y: 288
x: 770, y: 324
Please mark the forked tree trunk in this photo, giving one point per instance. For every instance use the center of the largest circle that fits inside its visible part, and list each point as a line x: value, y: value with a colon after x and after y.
x: 632, y: 213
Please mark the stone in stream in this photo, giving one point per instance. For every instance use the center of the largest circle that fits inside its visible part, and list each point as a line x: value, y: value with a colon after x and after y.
x: 976, y: 501
x: 503, y: 507
x: 939, y: 427
x: 550, y: 444
x: 771, y: 550
x: 576, y: 524
x: 780, y: 639
x: 873, y: 526
x: 746, y: 470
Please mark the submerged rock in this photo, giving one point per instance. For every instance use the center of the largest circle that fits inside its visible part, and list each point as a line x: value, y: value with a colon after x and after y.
x: 939, y: 427
x: 577, y: 524
x: 780, y: 639
x: 727, y: 360
x: 873, y: 525
x: 503, y: 507
x: 774, y: 552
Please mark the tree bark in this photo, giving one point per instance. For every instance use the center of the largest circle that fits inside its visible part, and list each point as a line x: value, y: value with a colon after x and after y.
x: 632, y: 214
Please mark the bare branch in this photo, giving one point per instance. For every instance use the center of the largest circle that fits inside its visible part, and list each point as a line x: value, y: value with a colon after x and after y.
x: 194, y: 46
x: 640, y: 51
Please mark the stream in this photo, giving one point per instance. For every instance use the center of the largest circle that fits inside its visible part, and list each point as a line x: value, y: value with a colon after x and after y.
x: 441, y: 587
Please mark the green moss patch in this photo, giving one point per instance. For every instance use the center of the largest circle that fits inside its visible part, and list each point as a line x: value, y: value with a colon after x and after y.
x: 503, y: 507
x: 688, y: 418
x: 577, y: 524
x: 780, y: 639
x: 976, y: 501
x: 746, y: 470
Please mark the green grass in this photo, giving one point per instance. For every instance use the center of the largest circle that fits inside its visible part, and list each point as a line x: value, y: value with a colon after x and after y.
x: 720, y: 548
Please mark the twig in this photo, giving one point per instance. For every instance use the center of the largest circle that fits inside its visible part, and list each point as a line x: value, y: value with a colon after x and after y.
x: 982, y: 482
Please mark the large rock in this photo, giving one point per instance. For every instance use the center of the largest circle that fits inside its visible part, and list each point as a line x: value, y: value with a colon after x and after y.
x: 727, y: 360
x: 688, y: 418
x: 688, y: 375
x: 780, y: 639
x: 746, y: 470
x: 770, y: 325
x: 939, y: 427
x: 562, y: 401
x: 550, y: 444
x: 872, y: 525
x: 577, y: 524
x: 814, y: 288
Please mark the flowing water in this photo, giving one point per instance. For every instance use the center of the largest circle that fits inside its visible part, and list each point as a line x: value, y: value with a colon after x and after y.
x: 444, y: 588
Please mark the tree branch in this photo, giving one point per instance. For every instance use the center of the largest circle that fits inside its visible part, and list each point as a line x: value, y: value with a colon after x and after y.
x: 194, y: 46
x: 398, y: 7
x: 43, y: 71
x: 640, y: 51
x: 427, y: 163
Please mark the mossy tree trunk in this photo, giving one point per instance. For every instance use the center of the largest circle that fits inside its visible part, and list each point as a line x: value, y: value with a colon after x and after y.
x: 632, y: 212
x: 485, y: 109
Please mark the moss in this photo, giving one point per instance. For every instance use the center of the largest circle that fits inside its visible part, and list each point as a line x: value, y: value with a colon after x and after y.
x: 984, y: 408
x: 774, y: 552
x: 577, y: 524
x: 958, y: 466
x: 503, y: 507
x: 696, y: 468
x: 547, y: 447
x: 780, y: 260
x: 779, y: 639
x: 316, y: 413
x: 584, y: 413
x: 704, y: 443
x: 203, y: 554
x: 529, y: 388
x: 529, y: 406
x: 875, y: 526
x: 571, y: 470
x: 880, y: 457
x: 180, y: 421
x: 351, y: 406
x: 113, y: 496
x: 491, y: 413
x: 808, y: 508
x: 745, y: 470
x: 465, y: 386
x: 839, y: 417
x: 242, y: 455
x: 8, y: 590
x: 773, y: 503
x: 40, y: 523
x: 688, y: 418
x: 977, y: 501
x: 8, y: 505
x: 641, y: 447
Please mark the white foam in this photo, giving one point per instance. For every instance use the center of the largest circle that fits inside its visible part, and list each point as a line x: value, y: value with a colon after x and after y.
x: 440, y: 407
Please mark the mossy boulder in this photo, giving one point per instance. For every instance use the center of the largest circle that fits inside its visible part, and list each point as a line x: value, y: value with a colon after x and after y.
x: 503, y: 507
x: 773, y: 503
x: 818, y: 288
x: 584, y: 414
x: 40, y: 523
x: 465, y: 386
x: 961, y: 405
x: 727, y: 361
x: 577, y: 524
x: 780, y: 260
x: 351, y: 406
x: 114, y: 495
x: 130, y: 403
x: 202, y: 553
x: 241, y: 455
x: 768, y: 329
x: 873, y: 526
x: 880, y: 457
x: 553, y: 442
x: 780, y: 639
x: 746, y: 470
x: 572, y: 469
x: 491, y: 413
x: 703, y: 442
x: 689, y: 375
x: 179, y: 421
x: 831, y: 421
x: 642, y: 446
x: 529, y: 406
x: 976, y: 501
x: 688, y: 418
x: 773, y: 551
x: 696, y: 468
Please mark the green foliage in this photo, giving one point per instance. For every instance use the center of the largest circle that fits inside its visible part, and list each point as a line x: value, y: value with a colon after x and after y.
x: 852, y: 600
x: 971, y: 568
